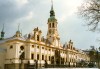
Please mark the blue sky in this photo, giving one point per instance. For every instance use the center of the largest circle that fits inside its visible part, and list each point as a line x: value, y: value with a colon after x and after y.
x: 35, y: 13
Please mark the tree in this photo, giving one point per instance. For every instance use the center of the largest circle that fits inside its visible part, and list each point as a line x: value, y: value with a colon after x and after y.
x: 92, y: 55
x: 90, y: 10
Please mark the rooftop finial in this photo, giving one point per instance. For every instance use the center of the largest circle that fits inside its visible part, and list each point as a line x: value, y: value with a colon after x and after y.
x: 18, y: 33
x: 52, y: 13
x: 18, y: 26
x: 3, y: 28
x: 52, y: 5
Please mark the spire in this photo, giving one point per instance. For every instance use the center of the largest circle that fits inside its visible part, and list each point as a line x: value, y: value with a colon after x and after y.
x: 52, y: 5
x: 52, y: 13
x: 3, y: 28
x: 18, y: 26
x: 18, y: 33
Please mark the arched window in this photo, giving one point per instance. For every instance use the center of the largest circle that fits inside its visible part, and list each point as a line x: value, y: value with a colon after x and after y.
x: 53, y: 25
x: 37, y: 37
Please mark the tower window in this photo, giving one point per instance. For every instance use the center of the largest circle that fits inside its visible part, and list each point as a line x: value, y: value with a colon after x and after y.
x: 53, y: 25
x: 32, y: 56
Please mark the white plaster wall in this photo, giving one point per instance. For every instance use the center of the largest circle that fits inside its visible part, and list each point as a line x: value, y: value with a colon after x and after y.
x: 2, y: 59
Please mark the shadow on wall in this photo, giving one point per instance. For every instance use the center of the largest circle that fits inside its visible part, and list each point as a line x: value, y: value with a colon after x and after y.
x: 0, y: 67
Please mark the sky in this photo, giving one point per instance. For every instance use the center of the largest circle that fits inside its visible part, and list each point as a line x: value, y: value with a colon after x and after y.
x: 35, y: 13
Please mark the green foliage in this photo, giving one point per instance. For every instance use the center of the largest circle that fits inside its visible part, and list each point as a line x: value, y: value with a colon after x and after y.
x: 94, y: 54
x: 90, y: 10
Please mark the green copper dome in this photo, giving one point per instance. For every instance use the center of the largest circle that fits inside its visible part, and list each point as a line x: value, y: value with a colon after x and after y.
x: 52, y: 19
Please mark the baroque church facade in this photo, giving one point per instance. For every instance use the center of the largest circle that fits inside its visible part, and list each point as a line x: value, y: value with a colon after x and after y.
x: 18, y: 49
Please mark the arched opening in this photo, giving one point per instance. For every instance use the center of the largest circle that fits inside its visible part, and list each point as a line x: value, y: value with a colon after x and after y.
x: 38, y: 38
x: 53, y: 25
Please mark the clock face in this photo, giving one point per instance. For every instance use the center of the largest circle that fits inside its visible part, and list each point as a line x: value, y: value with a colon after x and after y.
x: 22, y: 48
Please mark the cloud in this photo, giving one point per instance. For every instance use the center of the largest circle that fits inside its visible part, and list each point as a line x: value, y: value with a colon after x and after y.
x: 33, y: 13
x: 22, y: 2
x: 27, y: 17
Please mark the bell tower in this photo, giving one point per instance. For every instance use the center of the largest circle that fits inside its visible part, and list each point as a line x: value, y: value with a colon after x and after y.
x: 52, y: 34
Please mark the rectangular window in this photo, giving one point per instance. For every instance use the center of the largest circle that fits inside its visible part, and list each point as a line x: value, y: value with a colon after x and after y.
x: 37, y: 56
x: 42, y: 57
x: 32, y: 56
